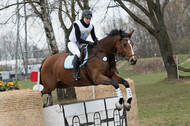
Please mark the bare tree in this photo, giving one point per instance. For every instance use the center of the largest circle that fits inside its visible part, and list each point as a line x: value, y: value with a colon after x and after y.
x: 154, y: 11
x: 41, y: 10
x: 83, y: 4
x: 8, y: 45
x: 177, y: 16
x: 145, y: 43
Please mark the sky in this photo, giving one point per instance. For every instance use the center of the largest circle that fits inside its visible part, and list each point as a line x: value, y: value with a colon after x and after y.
x: 36, y: 35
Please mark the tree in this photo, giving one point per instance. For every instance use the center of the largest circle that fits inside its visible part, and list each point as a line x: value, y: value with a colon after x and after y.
x: 177, y: 16
x: 145, y: 43
x: 8, y: 45
x: 154, y: 11
x: 43, y: 13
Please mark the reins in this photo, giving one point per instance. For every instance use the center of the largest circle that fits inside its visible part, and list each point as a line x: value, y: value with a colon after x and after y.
x: 123, y: 52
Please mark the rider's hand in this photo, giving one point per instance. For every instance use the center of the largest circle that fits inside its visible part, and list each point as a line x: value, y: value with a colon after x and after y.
x: 90, y: 43
x: 95, y: 42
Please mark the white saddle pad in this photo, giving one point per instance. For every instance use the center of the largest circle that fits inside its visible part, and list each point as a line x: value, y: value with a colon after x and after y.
x: 68, y: 62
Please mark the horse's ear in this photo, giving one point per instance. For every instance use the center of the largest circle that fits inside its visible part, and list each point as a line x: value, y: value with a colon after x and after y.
x: 130, y: 33
x: 121, y: 33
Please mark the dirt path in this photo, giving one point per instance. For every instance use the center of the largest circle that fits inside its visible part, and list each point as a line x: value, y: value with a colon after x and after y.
x: 185, y: 61
x: 120, y: 65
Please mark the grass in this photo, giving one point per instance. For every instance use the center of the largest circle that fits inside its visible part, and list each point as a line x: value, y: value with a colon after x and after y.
x: 182, y: 57
x: 161, y: 102
x: 27, y: 84
x: 185, y: 65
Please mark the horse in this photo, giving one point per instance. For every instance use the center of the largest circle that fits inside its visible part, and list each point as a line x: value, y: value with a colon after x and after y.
x: 100, y: 68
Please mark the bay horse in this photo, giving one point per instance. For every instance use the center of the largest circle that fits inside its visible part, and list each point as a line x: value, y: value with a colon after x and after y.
x: 101, y: 68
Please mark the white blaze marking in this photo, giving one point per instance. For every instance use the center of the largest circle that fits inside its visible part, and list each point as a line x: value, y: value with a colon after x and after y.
x: 129, y: 41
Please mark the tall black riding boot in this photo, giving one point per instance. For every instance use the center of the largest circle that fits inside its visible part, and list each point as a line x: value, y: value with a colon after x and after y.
x: 76, y: 67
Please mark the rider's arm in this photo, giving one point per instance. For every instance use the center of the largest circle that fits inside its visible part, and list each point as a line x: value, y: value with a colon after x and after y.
x: 78, y: 34
x: 93, y: 35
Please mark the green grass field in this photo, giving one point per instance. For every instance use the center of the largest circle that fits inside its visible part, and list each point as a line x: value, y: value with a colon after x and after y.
x: 161, y: 102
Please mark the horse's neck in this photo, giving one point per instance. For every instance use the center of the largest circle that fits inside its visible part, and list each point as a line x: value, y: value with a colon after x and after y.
x: 109, y: 44
x: 107, y: 48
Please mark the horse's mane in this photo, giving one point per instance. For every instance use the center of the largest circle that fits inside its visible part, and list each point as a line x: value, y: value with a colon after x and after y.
x: 117, y: 32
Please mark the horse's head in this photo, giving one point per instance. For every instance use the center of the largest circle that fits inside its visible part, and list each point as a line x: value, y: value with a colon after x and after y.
x: 125, y: 47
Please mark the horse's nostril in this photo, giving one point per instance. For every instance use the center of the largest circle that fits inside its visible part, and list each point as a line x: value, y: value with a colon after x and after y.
x: 133, y: 62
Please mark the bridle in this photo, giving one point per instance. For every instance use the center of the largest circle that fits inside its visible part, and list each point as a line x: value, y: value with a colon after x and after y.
x: 123, y: 52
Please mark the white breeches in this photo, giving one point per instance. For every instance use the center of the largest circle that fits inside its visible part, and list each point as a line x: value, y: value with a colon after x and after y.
x: 74, y: 48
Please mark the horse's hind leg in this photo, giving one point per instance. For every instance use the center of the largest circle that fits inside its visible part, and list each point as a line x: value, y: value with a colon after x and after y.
x: 49, y: 100
x: 49, y: 85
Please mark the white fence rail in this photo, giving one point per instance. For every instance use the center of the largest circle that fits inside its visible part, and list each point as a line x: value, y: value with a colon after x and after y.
x: 99, y: 112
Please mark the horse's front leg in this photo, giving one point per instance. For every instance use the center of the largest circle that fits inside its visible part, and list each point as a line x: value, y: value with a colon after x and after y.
x: 120, y: 80
x: 107, y: 81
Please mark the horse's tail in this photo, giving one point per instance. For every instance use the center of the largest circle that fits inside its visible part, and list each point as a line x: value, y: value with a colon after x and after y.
x: 40, y: 71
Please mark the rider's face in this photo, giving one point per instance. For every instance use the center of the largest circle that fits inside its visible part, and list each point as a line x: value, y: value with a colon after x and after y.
x: 87, y: 20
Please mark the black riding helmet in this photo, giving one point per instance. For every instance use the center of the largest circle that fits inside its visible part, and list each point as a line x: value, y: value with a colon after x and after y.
x: 86, y: 14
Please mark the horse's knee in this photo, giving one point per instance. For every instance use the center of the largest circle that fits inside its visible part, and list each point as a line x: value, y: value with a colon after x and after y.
x: 115, y: 84
x: 125, y: 83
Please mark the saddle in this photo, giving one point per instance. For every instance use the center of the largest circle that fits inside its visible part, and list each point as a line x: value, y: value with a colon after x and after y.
x: 68, y: 64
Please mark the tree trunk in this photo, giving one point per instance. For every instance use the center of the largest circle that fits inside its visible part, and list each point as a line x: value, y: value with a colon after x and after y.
x: 166, y: 52
x: 45, y: 17
x: 67, y: 33
x: 60, y: 94
x: 50, y: 35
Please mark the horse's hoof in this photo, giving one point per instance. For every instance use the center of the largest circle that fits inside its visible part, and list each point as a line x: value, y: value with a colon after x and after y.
x: 47, y: 105
x: 127, y: 106
x: 118, y: 106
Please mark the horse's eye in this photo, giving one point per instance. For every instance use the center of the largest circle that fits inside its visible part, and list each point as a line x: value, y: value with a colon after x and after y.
x: 124, y: 44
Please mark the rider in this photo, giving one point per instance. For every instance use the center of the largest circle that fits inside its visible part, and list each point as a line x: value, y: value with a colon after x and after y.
x: 77, y: 38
